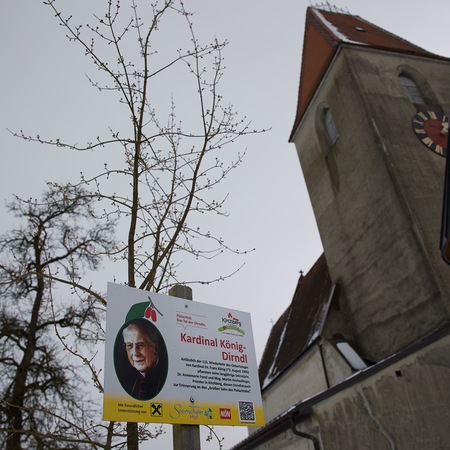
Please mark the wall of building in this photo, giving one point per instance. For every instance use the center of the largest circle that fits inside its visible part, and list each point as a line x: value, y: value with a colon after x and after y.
x: 399, y: 404
x: 287, y: 440
x: 377, y: 198
x: 304, y: 379
x: 417, y: 173
x: 337, y: 368
x: 310, y: 375
x: 404, y: 406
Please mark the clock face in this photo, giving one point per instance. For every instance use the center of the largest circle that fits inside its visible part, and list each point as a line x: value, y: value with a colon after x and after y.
x: 432, y: 130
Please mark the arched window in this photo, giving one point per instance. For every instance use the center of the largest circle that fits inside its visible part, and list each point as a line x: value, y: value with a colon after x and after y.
x: 330, y: 126
x: 412, y: 90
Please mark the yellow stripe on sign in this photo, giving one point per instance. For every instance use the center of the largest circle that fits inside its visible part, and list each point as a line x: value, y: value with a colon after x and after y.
x: 170, y: 411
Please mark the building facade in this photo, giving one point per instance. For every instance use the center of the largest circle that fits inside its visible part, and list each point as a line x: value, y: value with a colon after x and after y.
x: 361, y: 358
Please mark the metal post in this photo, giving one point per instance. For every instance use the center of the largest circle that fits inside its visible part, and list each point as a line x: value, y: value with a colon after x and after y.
x: 185, y: 437
x: 445, y: 224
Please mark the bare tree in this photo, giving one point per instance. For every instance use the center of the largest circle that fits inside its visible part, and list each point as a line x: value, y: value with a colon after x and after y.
x: 55, y: 238
x: 164, y: 188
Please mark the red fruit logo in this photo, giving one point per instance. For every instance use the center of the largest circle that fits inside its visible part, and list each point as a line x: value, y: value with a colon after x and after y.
x: 150, y: 311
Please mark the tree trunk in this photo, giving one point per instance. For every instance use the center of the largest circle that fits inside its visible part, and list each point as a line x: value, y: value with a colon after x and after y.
x: 16, y: 401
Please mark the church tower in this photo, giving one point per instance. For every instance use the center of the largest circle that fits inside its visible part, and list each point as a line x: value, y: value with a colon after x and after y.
x: 360, y: 359
x: 371, y: 136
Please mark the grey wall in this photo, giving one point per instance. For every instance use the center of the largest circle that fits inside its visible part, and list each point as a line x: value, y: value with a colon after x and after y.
x: 377, y: 198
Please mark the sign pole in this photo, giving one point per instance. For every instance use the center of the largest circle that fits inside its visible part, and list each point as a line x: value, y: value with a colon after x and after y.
x: 184, y: 436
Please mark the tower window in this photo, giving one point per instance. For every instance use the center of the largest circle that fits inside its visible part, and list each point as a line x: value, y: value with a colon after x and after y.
x: 412, y: 90
x: 330, y: 127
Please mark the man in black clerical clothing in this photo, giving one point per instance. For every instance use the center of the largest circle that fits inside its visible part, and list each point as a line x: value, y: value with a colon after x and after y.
x: 147, y: 357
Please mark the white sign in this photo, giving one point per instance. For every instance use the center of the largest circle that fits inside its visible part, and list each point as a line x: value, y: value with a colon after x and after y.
x: 170, y: 360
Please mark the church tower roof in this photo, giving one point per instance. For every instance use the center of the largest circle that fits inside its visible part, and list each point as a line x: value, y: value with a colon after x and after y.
x: 325, y: 32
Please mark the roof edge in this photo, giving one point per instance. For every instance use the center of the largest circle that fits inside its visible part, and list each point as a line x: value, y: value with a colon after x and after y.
x: 304, y: 408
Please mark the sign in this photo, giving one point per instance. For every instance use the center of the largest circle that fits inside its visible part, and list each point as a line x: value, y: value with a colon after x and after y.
x: 171, y: 360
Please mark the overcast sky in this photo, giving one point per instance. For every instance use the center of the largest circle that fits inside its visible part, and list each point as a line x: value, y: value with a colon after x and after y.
x: 44, y: 90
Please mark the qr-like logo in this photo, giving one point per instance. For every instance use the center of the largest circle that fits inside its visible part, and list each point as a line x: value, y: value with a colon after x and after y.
x: 246, y: 412
x: 156, y: 409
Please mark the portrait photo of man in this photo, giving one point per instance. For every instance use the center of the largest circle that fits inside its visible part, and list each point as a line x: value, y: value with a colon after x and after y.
x: 140, y: 359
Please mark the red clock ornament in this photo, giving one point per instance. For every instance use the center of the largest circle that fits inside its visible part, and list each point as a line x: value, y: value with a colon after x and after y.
x: 432, y: 130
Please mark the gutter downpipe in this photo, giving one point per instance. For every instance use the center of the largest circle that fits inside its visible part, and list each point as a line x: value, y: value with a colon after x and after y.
x: 303, y: 435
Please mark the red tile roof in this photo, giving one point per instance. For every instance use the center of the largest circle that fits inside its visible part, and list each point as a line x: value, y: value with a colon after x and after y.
x: 325, y: 31
x: 298, y: 327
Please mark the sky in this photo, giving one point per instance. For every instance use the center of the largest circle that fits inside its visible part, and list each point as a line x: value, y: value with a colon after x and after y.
x: 45, y: 91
